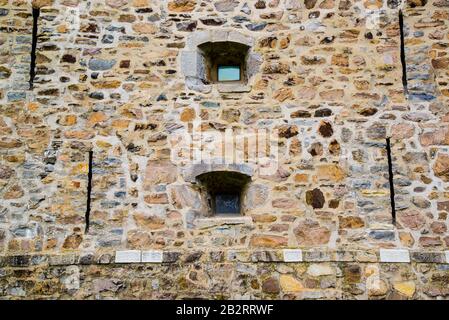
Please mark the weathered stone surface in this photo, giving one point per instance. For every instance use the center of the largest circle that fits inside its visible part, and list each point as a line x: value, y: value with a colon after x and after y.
x: 441, y: 166
x: 315, y: 198
x: 438, y: 137
x: 149, y: 222
x: 332, y: 95
x: 331, y: 172
x: 402, y: 131
x: 406, y: 288
x: 287, y: 131
x: 412, y: 219
x: 100, y: 64
x: 181, y: 5
x: 256, y: 196
x: 376, y: 287
x: 268, y: 241
x: 184, y: 197
x: 159, y: 171
x: 144, y: 28
x: 290, y: 284
x: 41, y: 3
x: 226, y: 5
x: 271, y: 285
x: 311, y: 233
x: 352, y: 222
x: 318, y: 270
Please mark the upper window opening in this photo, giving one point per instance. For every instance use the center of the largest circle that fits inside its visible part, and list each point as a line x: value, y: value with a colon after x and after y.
x: 224, y: 190
x: 221, y: 60
x: 224, y: 61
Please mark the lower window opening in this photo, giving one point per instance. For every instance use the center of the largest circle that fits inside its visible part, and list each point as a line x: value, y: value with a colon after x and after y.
x: 224, y: 191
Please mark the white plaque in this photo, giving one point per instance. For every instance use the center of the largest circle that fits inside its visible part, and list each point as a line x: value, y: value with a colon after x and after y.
x: 152, y: 256
x: 394, y: 255
x: 127, y: 256
x: 447, y: 256
x: 292, y: 255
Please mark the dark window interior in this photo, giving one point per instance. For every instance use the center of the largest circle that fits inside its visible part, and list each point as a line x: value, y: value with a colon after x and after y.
x: 224, y: 191
x: 227, y: 203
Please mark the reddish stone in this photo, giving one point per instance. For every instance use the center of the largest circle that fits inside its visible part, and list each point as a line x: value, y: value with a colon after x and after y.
x: 437, y: 137
x: 402, y: 131
x: 438, y: 227
x: 412, y: 219
x: 309, y: 232
x: 284, y: 203
x: 430, y: 241
x: 156, y: 198
x: 332, y: 95
x: 271, y: 285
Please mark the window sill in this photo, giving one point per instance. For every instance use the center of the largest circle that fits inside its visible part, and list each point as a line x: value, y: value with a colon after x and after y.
x: 233, y: 87
x: 203, y: 223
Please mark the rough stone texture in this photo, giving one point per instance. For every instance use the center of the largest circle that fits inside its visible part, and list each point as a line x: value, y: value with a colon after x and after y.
x: 199, y: 275
x: 111, y: 78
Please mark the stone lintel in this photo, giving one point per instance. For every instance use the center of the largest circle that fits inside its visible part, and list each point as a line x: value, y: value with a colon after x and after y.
x: 190, y: 173
x: 200, y: 37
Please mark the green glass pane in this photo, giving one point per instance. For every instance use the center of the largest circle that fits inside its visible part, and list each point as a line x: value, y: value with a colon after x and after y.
x: 228, y: 73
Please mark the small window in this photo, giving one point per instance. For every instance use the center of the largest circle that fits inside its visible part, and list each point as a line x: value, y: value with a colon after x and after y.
x: 224, y: 191
x: 224, y: 61
x: 228, y: 73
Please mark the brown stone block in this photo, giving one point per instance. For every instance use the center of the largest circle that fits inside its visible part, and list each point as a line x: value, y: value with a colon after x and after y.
x: 268, y: 241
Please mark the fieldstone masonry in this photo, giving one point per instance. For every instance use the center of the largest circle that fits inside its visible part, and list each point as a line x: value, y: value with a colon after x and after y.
x: 124, y: 79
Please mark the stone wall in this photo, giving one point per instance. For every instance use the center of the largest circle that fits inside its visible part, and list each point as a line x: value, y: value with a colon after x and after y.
x: 226, y: 275
x: 325, y: 75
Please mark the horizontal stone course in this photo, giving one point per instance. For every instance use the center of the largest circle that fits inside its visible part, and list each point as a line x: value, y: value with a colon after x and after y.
x: 245, y: 256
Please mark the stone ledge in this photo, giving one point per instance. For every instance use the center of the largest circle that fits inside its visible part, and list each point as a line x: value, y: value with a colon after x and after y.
x: 233, y: 87
x: 203, y: 223
x: 292, y: 255
x: 394, y: 255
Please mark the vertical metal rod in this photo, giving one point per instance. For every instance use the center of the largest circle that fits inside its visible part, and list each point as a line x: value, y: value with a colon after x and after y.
x: 89, y: 190
x: 403, y: 62
x: 390, y: 179
x: 36, y: 13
